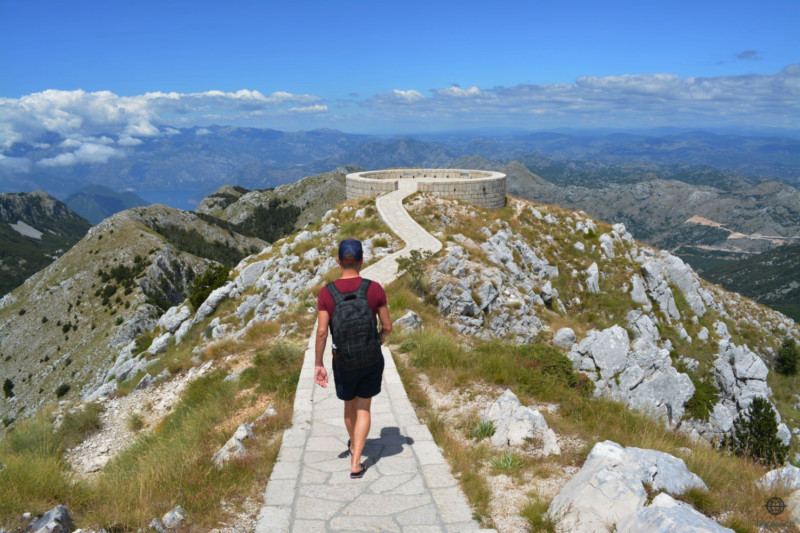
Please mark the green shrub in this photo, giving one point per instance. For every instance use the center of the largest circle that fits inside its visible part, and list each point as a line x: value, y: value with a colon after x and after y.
x: 507, y: 461
x: 415, y: 265
x: 535, y: 511
x: 143, y: 342
x: 213, y: 278
x: 702, y: 401
x: 788, y: 355
x: 755, y: 435
x: 62, y: 390
x: 134, y: 422
x: 8, y: 388
x: 78, y: 425
x: 482, y: 430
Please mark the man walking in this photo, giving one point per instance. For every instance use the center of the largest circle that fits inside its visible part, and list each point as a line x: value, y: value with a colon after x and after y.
x: 349, y: 305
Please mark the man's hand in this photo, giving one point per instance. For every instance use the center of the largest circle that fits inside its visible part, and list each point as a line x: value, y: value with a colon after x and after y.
x: 321, y: 376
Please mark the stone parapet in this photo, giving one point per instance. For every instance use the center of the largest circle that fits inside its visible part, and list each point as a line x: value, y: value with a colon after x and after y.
x: 479, y: 187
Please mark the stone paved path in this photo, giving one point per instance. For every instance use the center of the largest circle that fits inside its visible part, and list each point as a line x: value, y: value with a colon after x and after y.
x: 408, y: 486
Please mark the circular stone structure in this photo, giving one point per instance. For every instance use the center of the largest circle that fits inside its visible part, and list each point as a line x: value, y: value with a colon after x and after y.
x: 483, y: 188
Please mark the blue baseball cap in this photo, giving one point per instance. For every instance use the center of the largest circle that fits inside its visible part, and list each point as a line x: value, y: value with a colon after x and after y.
x: 350, y: 251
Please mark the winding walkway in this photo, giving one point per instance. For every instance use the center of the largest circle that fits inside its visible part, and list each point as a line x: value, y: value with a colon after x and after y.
x: 408, y: 486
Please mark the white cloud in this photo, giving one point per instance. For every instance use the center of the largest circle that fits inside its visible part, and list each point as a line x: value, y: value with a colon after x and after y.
x: 202, y: 131
x: 397, y: 96
x: 457, y: 92
x: 127, y: 140
x: 309, y: 109
x: 87, y: 153
x: 15, y: 164
x: 70, y: 143
x: 627, y: 100
x: 81, y: 115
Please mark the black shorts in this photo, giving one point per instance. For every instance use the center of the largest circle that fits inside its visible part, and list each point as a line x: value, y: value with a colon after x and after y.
x: 364, y: 382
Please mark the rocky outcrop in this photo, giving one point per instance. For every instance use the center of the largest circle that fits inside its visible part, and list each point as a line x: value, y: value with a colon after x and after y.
x: 609, y: 488
x: 592, y: 279
x: 643, y: 378
x: 665, y: 514
x: 234, y: 448
x: 56, y: 520
x: 740, y: 376
x: 786, y: 478
x: 659, y: 290
x: 174, y: 317
x: 515, y: 425
x: 564, y: 338
x: 498, y: 301
x: 174, y: 517
x: 410, y: 320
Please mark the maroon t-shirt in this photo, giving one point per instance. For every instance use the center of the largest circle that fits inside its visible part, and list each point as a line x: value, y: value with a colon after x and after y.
x: 376, y: 297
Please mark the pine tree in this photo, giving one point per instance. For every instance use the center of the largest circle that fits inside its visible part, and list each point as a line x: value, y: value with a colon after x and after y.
x: 786, y: 363
x: 755, y: 434
x: 8, y: 388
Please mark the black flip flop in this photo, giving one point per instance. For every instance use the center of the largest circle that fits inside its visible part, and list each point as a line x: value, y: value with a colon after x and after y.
x: 359, y: 474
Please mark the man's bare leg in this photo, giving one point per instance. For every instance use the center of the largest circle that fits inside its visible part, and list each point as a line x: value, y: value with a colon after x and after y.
x: 357, y: 420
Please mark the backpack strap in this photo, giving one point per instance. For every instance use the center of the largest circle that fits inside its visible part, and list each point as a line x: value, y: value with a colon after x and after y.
x: 338, y: 296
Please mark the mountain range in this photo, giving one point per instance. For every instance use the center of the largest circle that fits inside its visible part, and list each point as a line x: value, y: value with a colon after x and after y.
x: 528, y: 290
x: 208, y: 158
x: 96, y: 202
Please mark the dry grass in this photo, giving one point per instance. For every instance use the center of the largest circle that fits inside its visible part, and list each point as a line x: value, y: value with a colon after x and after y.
x: 732, y: 497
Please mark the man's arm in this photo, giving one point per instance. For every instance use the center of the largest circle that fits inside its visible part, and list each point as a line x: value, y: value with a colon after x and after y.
x: 386, y: 322
x: 320, y: 374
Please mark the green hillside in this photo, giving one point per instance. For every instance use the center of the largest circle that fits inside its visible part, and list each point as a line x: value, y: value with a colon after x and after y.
x: 96, y: 203
x: 35, y: 229
x: 771, y: 277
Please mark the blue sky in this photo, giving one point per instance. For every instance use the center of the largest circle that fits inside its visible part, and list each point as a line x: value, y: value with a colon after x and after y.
x: 129, y: 69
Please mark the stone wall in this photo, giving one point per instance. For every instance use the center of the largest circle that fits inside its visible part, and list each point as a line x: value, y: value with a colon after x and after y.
x: 356, y: 187
x: 478, y: 187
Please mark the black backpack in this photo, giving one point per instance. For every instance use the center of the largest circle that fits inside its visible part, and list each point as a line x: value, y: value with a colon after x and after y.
x: 354, y: 328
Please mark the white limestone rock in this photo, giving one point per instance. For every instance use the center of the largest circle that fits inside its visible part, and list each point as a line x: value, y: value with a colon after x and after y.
x: 159, y: 344
x: 182, y: 331
x: 741, y: 375
x: 174, y: 317
x: 609, y: 488
x: 106, y: 390
x: 234, y: 448
x: 515, y: 424
x: 214, y: 299
x: 665, y: 514
x: 248, y: 277
x: 564, y: 338
x: 643, y: 378
x: 579, y: 246
x: 56, y: 520
x: 409, y: 321
x: 722, y: 330
x: 303, y: 236
x: 784, y: 434
x: 607, y: 245
x: 535, y: 212
x: 786, y: 477
x: 592, y: 278
x: 174, y: 517
x: 659, y: 290
x: 638, y: 293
